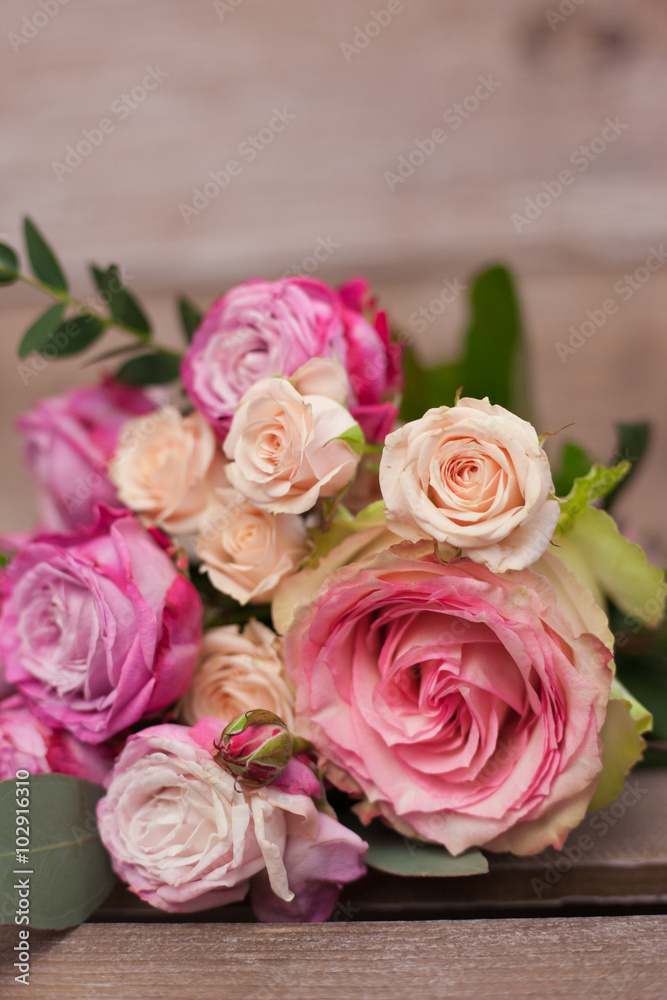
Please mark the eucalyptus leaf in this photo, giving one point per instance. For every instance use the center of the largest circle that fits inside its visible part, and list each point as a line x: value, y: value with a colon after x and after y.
x: 41, y: 330
x: 390, y: 852
x: 68, y: 871
x: 633, y: 442
x: 190, y: 317
x: 123, y: 306
x: 9, y: 265
x: 73, y: 336
x: 150, y: 369
x: 43, y: 261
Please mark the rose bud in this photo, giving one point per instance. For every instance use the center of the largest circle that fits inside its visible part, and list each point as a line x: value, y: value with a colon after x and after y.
x: 256, y: 747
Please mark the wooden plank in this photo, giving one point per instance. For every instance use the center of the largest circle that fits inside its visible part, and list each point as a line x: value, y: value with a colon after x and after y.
x: 596, y: 958
x: 324, y: 174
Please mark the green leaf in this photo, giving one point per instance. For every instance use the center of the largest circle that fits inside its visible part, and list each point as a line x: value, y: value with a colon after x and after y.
x: 190, y: 317
x: 494, y: 355
x: 41, y: 330
x: 115, y: 352
x: 427, y: 388
x: 4, y: 560
x: 123, y: 306
x: 9, y: 265
x: 43, y: 261
x: 69, y: 869
x: 354, y: 437
x: 620, y: 567
x: 390, y: 852
x: 633, y: 441
x: 73, y: 336
x: 150, y: 369
x: 597, y: 483
x: 648, y: 677
x: 574, y: 464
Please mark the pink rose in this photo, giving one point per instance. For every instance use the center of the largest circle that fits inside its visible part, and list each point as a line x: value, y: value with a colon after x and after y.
x: 28, y: 742
x: 465, y: 706
x: 186, y: 837
x: 473, y: 476
x: 68, y: 441
x: 285, y: 443
x: 98, y: 628
x: 260, y: 329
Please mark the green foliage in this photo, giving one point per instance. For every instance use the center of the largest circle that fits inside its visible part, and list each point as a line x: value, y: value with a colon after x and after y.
x: 150, y: 369
x: 574, y: 464
x: 123, y: 306
x: 9, y: 265
x: 492, y: 362
x: 633, y: 442
x: 70, y: 867
x: 73, y: 336
x: 597, y: 483
x: 42, y: 259
x: 190, y: 317
x: 41, y: 331
x: 390, y: 852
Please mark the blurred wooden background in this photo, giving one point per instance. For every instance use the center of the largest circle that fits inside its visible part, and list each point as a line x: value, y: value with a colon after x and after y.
x: 219, y: 72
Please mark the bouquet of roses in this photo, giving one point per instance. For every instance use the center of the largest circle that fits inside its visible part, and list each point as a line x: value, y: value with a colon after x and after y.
x: 293, y: 563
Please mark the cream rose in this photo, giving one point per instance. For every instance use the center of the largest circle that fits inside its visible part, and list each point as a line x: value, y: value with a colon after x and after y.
x: 165, y: 467
x: 473, y: 476
x: 284, y: 447
x: 237, y: 671
x: 247, y: 551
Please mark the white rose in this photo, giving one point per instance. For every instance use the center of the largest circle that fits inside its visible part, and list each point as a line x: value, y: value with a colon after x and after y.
x: 473, y: 476
x: 165, y: 467
x: 247, y: 551
x: 238, y: 671
x: 284, y: 447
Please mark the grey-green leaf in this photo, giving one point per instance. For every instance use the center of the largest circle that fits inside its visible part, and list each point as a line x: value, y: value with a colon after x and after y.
x: 68, y: 871
x: 149, y: 369
x: 190, y: 317
x: 41, y: 330
x: 390, y: 852
x: 9, y: 265
x: 73, y: 336
x: 43, y: 261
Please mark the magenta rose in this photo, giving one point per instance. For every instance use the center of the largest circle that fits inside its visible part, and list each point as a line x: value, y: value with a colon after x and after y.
x: 260, y: 329
x: 68, y: 441
x: 465, y: 707
x: 98, y: 628
x: 186, y: 837
x: 27, y: 742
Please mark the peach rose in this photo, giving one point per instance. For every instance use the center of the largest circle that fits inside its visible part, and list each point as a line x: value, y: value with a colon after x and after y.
x: 284, y: 446
x: 247, y: 551
x: 237, y: 671
x: 473, y: 476
x: 164, y: 466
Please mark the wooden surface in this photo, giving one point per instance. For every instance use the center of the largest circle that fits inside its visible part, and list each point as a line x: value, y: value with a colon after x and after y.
x: 592, y: 959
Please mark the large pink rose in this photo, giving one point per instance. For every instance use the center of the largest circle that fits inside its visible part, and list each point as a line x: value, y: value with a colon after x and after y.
x: 265, y: 328
x: 68, y: 441
x: 98, y: 628
x: 465, y: 707
x: 27, y: 742
x: 186, y: 837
